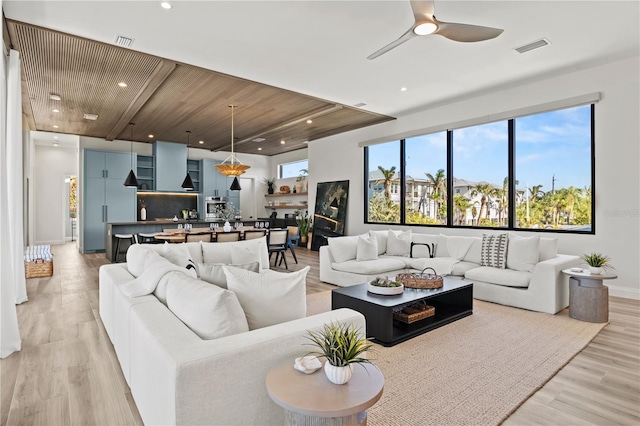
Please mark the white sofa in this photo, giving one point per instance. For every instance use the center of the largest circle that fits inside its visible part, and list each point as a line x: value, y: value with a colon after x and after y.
x: 531, y: 280
x: 175, y: 376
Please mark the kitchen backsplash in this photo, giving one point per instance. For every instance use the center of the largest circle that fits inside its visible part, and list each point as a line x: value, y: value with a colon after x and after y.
x: 162, y: 206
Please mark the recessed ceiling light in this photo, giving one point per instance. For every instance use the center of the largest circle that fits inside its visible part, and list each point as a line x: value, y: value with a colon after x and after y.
x: 165, y: 5
x: 56, y: 126
x: 56, y: 144
x: 150, y: 136
x: 309, y: 121
x: 55, y: 110
x: 201, y: 142
x: 305, y: 142
x: 122, y: 84
x: 403, y: 89
x: 90, y: 116
x: 55, y: 97
x: 55, y: 137
x: 282, y: 142
x: 260, y: 149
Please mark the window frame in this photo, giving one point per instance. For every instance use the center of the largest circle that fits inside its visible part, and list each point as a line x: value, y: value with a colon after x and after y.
x: 512, y: 188
x: 281, y: 165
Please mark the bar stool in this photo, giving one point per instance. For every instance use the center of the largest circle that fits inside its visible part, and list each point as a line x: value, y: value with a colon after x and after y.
x: 146, y: 238
x: 120, y: 237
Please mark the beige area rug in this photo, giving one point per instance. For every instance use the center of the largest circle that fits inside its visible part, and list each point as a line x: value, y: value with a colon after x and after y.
x: 475, y: 371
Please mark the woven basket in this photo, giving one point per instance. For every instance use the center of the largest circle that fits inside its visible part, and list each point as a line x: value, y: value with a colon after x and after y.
x: 415, y: 312
x: 421, y: 280
x: 38, y: 268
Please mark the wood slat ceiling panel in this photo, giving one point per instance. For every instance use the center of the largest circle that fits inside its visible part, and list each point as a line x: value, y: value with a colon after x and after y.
x: 195, y: 99
x: 84, y: 73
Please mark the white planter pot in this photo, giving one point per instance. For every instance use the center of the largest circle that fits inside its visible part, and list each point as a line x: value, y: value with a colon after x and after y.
x: 338, y: 375
x: 227, y: 226
x: 596, y: 270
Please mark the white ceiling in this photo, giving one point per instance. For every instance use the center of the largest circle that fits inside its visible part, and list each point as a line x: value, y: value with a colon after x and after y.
x: 319, y: 48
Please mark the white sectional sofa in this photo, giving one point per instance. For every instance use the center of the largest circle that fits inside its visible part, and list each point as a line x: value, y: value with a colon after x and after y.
x: 175, y: 375
x: 529, y: 276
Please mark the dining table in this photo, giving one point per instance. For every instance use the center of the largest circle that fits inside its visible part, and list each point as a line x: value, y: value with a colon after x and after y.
x: 179, y: 235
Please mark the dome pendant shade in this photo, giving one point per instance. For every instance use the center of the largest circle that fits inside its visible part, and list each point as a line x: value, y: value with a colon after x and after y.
x: 187, y: 184
x: 131, y: 181
x: 235, y: 185
x: 231, y: 166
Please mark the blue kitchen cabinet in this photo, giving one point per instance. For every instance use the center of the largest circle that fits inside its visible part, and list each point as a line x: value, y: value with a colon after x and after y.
x: 194, y: 168
x: 171, y: 166
x: 105, y: 198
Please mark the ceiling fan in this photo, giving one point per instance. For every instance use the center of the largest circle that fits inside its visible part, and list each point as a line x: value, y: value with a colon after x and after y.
x: 426, y: 23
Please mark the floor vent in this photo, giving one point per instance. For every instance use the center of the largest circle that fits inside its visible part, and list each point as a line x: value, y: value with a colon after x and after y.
x: 533, y: 45
x: 123, y: 41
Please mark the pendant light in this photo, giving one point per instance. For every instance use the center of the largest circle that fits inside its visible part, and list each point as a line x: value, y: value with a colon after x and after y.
x: 231, y: 166
x: 187, y: 184
x: 131, y: 181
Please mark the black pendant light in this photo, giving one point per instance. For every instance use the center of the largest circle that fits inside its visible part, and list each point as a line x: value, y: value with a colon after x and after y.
x: 235, y: 185
x: 187, y: 184
x: 131, y: 181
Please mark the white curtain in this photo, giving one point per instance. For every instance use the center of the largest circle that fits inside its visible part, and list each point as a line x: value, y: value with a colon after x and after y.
x: 12, y: 280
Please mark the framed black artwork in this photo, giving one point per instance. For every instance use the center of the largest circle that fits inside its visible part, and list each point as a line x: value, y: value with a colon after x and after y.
x: 330, y: 211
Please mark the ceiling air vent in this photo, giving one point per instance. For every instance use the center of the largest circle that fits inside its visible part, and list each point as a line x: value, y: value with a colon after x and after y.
x: 360, y: 104
x: 259, y: 140
x: 533, y: 45
x: 90, y: 116
x: 123, y: 41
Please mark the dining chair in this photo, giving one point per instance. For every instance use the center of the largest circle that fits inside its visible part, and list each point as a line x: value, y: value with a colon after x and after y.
x: 277, y: 243
x: 292, y: 240
x: 206, y: 237
x: 225, y: 237
x: 146, y: 238
x: 254, y: 234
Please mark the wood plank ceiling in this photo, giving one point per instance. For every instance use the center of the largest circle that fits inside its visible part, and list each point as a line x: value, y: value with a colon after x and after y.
x: 164, y: 98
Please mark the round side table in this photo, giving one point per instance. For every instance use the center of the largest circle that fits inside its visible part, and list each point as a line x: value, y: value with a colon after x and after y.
x: 588, y: 296
x: 313, y: 400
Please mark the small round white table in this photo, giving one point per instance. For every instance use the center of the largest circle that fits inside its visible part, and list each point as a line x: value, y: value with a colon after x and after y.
x: 311, y: 399
x: 588, y: 296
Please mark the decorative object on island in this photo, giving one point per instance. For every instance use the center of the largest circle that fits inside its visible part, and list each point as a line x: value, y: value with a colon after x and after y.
x: 231, y: 166
x: 143, y: 210
x: 270, y: 182
x: 228, y: 213
x: 421, y: 280
x: 131, y: 181
x: 385, y: 287
x: 342, y: 345
x: 187, y: 184
x: 304, y: 224
x: 598, y: 263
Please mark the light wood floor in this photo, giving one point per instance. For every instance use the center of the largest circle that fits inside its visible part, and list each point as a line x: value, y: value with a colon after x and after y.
x: 67, y: 372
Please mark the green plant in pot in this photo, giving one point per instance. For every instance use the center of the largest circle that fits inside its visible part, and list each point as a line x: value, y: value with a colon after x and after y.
x: 342, y: 345
x: 597, y: 262
x: 270, y: 184
x: 304, y: 224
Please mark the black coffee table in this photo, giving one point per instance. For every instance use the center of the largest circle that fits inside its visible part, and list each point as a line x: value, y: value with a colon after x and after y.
x: 452, y: 302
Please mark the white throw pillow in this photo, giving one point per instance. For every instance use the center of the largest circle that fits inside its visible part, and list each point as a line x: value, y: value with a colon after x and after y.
x: 343, y: 248
x: 223, y: 253
x: 381, y: 236
x: 241, y: 255
x: 155, y: 267
x: 208, y: 310
x: 458, y: 246
x: 269, y: 298
x: 367, y: 248
x: 475, y: 251
x: 548, y: 249
x: 399, y: 245
x: 136, y: 258
x: 522, y: 253
x: 178, y: 254
x: 214, y: 274
x: 494, y: 251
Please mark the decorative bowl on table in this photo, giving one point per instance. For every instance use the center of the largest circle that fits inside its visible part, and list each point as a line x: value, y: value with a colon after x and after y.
x: 385, y: 287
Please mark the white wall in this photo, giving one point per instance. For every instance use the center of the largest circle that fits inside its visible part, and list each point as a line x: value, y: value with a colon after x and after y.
x: 617, y: 153
x: 53, y: 164
x: 287, y: 157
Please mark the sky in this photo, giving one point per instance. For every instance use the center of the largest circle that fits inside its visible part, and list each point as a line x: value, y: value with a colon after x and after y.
x: 553, y: 143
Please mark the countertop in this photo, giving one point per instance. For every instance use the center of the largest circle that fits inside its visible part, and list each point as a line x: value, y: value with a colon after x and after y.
x: 170, y: 221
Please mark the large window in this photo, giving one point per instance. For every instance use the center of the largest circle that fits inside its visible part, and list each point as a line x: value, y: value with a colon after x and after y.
x: 426, y: 179
x: 294, y: 169
x: 532, y: 172
x: 480, y: 175
x: 383, y: 189
x: 553, y: 170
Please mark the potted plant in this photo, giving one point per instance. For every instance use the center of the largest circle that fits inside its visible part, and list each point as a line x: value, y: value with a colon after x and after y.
x: 270, y: 183
x: 304, y: 224
x: 342, y: 345
x: 598, y: 263
x: 299, y: 179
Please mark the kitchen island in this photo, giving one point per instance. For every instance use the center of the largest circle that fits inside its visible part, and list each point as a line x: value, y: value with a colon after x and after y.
x: 152, y: 226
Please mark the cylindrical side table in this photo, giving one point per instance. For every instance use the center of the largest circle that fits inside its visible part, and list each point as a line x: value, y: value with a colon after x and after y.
x: 311, y: 400
x: 588, y: 296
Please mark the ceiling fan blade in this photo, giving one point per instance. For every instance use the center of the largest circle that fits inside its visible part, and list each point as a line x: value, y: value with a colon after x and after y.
x: 406, y: 36
x: 466, y: 33
x: 422, y: 9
